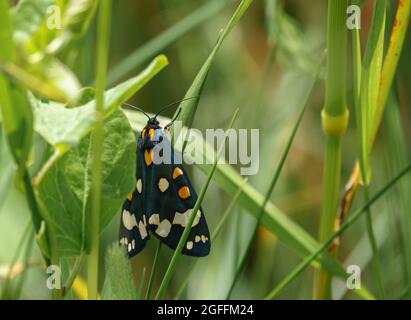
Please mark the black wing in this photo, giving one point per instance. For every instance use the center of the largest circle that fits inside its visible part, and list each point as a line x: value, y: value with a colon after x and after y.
x: 133, y: 226
x: 168, y: 202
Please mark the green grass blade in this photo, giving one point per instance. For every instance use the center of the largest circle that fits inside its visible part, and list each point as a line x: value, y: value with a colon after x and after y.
x: 273, y: 183
x: 399, y: 31
x: 188, y: 107
x: 214, y: 236
x: 354, y: 217
x: 153, y: 271
x: 374, y: 248
x: 397, y: 157
x: 165, y: 38
x: 370, y: 80
x: 184, y: 236
x: 141, y: 285
x: 366, y: 110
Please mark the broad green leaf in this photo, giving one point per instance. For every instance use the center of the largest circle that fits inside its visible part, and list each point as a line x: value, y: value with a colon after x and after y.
x: 119, y: 275
x: 45, y: 26
x: 48, y: 78
x: 65, y: 189
x: 28, y: 16
x: 16, y: 112
x: 63, y: 128
x: 41, y: 29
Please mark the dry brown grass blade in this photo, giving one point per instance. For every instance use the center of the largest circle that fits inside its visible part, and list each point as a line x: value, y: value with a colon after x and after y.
x: 345, y: 205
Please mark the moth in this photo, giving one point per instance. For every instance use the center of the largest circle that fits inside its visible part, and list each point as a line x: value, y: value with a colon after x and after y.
x: 163, y: 200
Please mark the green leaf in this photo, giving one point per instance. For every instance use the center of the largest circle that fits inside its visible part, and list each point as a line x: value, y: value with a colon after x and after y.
x: 45, y: 26
x: 370, y: 84
x: 38, y: 38
x: 47, y: 78
x: 16, y: 112
x: 119, y: 275
x: 64, y: 128
x: 65, y: 189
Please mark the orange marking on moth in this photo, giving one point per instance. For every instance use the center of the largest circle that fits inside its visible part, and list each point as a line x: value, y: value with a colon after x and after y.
x: 143, y: 133
x: 148, y: 157
x: 130, y: 197
x: 151, y: 134
x: 177, y: 172
x: 184, y: 192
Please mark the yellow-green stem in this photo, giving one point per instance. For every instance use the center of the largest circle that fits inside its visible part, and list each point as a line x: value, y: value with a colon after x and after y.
x: 334, y: 121
x: 103, y: 34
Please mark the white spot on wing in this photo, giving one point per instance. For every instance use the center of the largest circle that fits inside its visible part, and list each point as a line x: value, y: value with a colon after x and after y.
x: 197, y: 239
x: 164, y: 228
x: 129, y: 220
x: 154, y: 219
x: 203, y: 238
x: 163, y: 184
x: 189, y: 245
x: 183, y: 218
x: 142, y: 230
x: 139, y: 186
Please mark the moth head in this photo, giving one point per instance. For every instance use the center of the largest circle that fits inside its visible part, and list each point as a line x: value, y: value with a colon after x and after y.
x: 153, y: 121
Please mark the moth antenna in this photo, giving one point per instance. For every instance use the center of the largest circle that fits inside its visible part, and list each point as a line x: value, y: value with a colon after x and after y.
x: 174, y: 103
x: 138, y: 109
x: 172, y: 120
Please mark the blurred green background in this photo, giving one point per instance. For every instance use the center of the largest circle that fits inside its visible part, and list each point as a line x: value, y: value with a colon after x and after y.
x: 264, y: 68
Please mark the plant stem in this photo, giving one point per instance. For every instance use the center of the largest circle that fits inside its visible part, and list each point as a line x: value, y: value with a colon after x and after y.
x: 354, y: 217
x: 103, y: 35
x: 73, y: 274
x: 153, y: 271
x: 334, y: 121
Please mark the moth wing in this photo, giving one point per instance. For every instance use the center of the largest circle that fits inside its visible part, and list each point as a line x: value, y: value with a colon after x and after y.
x: 133, y: 226
x: 169, y: 206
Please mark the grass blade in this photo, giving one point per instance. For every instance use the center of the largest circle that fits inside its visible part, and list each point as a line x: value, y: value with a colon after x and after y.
x: 214, y: 236
x: 153, y: 271
x: 272, y: 185
x: 354, y: 217
x: 164, y: 39
x: 189, y: 107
